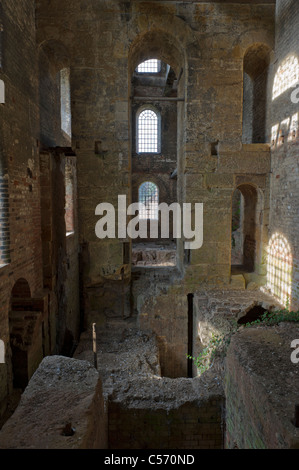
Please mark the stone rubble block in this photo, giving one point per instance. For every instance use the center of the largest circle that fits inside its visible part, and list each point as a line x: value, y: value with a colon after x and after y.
x: 61, y: 408
x: 237, y: 281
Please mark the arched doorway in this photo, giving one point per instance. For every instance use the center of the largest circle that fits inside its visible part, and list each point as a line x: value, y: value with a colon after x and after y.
x: 246, y: 230
x: 255, y: 78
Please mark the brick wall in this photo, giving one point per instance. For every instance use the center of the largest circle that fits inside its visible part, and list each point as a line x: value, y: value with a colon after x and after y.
x: 190, y: 426
x: 32, y: 90
x: 19, y: 129
x: 261, y: 386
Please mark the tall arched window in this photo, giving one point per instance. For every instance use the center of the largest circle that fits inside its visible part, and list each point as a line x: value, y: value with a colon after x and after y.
x: 255, y: 66
x: 148, y: 131
x: 149, y: 197
x: 280, y: 267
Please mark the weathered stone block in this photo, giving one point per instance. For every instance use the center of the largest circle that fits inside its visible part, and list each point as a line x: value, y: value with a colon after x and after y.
x: 61, y: 408
x: 237, y: 281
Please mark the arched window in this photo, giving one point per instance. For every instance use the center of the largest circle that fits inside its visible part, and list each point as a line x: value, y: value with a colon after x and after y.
x: 148, y: 131
x: 245, y: 227
x: 149, y: 66
x: 280, y: 267
x: 149, y: 197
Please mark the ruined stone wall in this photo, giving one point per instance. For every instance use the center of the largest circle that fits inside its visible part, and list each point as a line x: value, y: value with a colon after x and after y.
x: 190, y: 426
x: 62, y: 408
x: 260, y: 388
x: 167, y: 316
x: 283, y: 121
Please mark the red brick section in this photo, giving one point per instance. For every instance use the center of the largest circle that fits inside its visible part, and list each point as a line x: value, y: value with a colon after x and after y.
x: 190, y: 426
x: 261, y: 385
x: 20, y: 215
x: 22, y: 235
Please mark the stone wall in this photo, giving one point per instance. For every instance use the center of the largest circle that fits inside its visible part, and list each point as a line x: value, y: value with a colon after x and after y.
x: 19, y: 130
x: 145, y: 409
x: 283, y: 120
x: 261, y: 386
x: 207, y: 55
x: 29, y: 123
x: 62, y: 408
x: 190, y: 426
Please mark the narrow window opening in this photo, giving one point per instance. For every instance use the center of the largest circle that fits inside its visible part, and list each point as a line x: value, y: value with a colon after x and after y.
x: 149, y: 197
x: 2, y: 352
x: 69, y: 200
x: 245, y: 229
x: 148, y: 132
x: 2, y: 92
x: 65, y: 101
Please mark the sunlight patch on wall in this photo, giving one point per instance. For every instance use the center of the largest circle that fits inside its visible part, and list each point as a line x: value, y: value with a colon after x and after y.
x: 285, y: 131
x: 287, y: 76
x: 280, y: 267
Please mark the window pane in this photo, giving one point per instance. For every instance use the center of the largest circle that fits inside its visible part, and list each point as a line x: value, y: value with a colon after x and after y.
x: 149, y: 66
x: 148, y: 131
x: 148, y: 195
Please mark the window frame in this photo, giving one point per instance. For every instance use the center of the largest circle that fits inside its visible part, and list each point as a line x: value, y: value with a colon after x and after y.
x: 159, y: 67
x: 158, y: 196
x: 143, y: 108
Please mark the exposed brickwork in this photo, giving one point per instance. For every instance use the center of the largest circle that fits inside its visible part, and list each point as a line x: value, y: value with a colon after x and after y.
x: 31, y: 107
x: 19, y: 162
x: 191, y: 426
x: 261, y: 386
